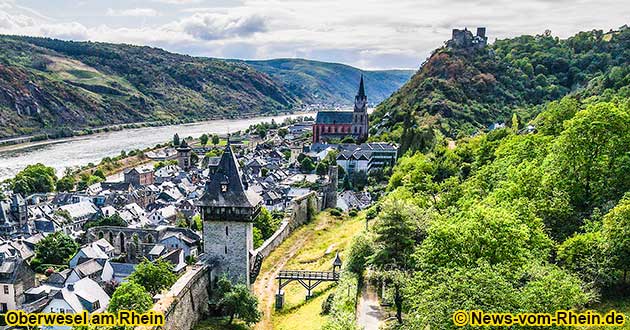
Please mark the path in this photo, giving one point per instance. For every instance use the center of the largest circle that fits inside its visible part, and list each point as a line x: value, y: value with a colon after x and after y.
x: 369, y: 310
x: 265, y: 286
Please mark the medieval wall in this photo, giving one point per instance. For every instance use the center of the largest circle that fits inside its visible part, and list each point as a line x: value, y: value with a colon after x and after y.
x: 186, y: 303
x: 299, y: 216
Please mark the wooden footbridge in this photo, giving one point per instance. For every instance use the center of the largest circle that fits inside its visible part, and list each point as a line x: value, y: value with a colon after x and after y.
x: 307, y: 278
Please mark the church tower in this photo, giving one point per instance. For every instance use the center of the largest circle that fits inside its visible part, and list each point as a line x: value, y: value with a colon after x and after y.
x: 228, y: 209
x: 360, y: 115
x: 183, y: 155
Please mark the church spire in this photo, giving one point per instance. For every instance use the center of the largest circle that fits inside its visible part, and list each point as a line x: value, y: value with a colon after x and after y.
x: 361, y: 88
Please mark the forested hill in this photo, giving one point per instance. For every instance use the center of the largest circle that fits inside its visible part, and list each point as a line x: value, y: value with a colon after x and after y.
x: 462, y: 90
x: 56, y: 86
x: 322, y: 82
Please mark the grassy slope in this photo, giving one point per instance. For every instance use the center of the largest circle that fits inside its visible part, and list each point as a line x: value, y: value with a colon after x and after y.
x: 323, y: 233
x: 322, y: 82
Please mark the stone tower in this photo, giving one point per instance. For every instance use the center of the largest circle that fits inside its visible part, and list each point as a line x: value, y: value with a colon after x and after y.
x: 330, y: 190
x: 228, y: 209
x: 19, y: 209
x: 360, y: 115
x: 183, y: 155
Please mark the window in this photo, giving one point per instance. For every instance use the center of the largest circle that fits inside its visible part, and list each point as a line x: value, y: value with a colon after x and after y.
x: 226, y: 249
x: 226, y: 230
x: 6, y: 289
x: 3, y: 307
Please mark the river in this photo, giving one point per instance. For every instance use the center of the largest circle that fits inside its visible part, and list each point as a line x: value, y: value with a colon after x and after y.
x: 83, y: 150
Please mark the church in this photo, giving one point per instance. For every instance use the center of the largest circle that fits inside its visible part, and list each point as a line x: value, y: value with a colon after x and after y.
x: 337, y: 125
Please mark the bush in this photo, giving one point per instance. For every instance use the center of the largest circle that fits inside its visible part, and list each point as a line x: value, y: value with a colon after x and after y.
x: 327, y: 304
x: 353, y: 213
x: 335, y: 212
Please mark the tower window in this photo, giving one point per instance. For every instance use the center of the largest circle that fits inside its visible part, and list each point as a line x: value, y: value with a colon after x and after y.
x: 226, y: 230
x: 226, y: 249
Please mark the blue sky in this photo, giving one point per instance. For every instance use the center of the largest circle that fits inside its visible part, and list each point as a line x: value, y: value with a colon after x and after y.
x: 369, y: 34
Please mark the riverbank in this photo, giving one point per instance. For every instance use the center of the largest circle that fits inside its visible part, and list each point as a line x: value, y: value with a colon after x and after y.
x: 63, y: 134
x: 78, y: 151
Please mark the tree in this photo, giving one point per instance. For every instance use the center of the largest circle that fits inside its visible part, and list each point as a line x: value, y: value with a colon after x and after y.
x: 203, y: 139
x: 66, y: 183
x: 398, y: 229
x: 266, y: 223
x: 282, y: 132
x: 307, y: 165
x: 176, y: 140
x: 34, y: 179
x: 590, y: 160
x: 215, y: 139
x: 56, y: 248
x: 359, y: 253
x: 99, y: 173
x: 321, y: 168
x: 113, y: 220
x: 616, y: 234
x: 348, y: 139
x: 130, y: 296
x: 154, y: 276
x: 237, y: 301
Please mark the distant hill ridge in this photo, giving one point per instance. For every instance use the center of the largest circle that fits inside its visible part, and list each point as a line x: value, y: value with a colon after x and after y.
x: 54, y: 85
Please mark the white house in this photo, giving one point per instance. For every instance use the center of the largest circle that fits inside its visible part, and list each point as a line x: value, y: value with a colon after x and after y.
x: 84, y: 294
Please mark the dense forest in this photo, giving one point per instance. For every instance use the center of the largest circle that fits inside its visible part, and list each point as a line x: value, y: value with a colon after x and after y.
x: 49, y: 85
x: 511, y: 220
x: 460, y: 91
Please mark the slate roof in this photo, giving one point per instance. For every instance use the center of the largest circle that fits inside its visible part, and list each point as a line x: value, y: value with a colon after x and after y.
x: 122, y: 269
x: 334, y: 117
x: 228, y: 173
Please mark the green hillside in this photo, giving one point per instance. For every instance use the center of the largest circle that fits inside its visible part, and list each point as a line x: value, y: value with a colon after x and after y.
x: 331, y: 83
x: 459, y: 91
x: 54, y: 86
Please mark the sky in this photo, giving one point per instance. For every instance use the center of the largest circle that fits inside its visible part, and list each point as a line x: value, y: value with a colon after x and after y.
x: 369, y: 34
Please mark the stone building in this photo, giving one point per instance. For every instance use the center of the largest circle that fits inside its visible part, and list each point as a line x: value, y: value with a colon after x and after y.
x: 339, y: 124
x: 228, y: 208
x: 465, y: 39
x: 183, y: 155
x: 16, y: 277
x: 142, y: 176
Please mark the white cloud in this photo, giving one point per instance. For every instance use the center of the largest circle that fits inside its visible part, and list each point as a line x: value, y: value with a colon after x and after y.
x: 177, y: 2
x: 134, y: 12
x: 214, y: 26
x: 365, y: 33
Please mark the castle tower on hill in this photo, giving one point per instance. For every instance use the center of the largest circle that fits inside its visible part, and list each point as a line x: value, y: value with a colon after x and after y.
x: 228, y: 209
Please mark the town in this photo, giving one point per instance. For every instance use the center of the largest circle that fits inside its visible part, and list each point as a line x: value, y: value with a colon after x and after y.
x: 191, y: 203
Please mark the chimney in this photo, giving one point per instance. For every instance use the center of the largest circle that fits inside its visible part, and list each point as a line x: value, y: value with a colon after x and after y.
x: 70, y: 287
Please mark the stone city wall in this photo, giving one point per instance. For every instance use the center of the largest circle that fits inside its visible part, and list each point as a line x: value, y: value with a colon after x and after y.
x: 186, y: 303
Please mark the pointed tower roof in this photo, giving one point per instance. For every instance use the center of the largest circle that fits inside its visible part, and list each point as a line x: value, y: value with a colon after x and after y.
x: 361, y: 88
x: 183, y: 145
x: 226, y: 187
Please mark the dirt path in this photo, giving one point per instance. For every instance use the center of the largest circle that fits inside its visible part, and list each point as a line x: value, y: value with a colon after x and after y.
x: 265, y: 286
x: 369, y: 312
